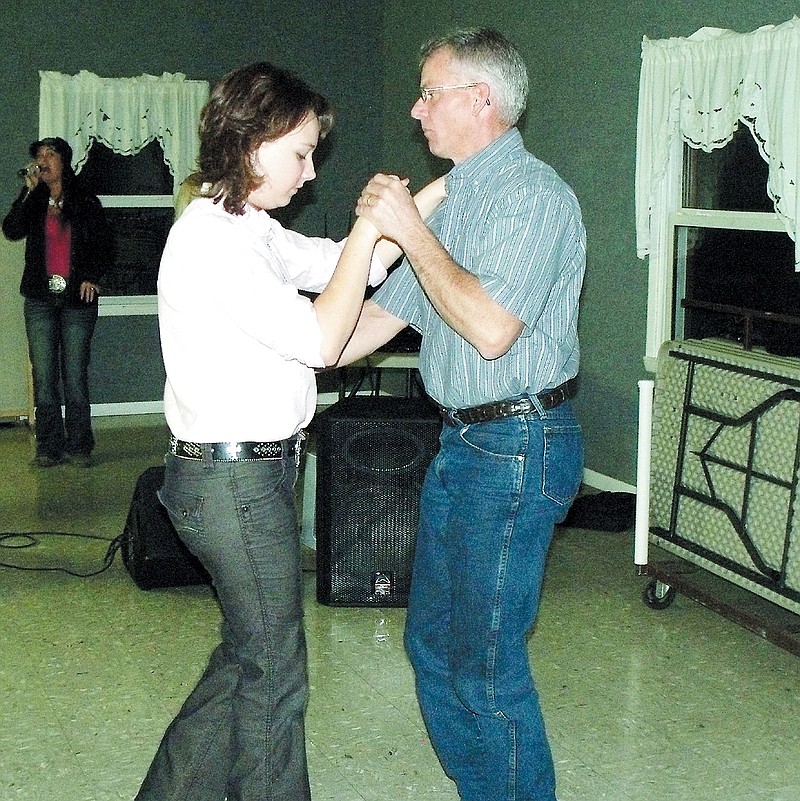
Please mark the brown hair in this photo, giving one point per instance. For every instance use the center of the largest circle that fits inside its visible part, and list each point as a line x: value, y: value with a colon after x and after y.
x: 252, y: 104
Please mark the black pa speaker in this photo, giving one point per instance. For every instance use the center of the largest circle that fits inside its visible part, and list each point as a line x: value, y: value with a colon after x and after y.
x: 151, y: 549
x: 372, y: 455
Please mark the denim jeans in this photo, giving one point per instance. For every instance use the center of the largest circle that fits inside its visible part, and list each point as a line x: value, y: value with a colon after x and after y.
x: 59, y: 344
x: 240, y: 733
x: 489, y: 504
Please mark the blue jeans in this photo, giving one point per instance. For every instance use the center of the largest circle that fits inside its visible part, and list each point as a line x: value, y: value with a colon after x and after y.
x: 59, y: 344
x: 489, y: 504
x: 241, y: 732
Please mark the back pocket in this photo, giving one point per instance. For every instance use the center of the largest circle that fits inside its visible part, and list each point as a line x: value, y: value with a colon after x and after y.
x: 563, y: 462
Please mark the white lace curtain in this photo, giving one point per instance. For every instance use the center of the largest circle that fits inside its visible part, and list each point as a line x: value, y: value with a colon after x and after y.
x: 698, y: 88
x: 125, y: 114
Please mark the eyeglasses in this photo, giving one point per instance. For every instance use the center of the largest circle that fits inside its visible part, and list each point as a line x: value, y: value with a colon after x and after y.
x: 425, y: 94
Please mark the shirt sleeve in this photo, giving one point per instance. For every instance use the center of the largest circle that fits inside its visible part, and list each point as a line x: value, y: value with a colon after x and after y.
x: 523, y: 254
x: 401, y: 295
x: 17, y: 223
x: 309, y: 261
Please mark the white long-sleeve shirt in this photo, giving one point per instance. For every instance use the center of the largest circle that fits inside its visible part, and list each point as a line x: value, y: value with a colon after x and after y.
x: 239, y: 341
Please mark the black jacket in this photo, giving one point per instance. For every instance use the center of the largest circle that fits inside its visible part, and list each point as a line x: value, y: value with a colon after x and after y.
x: 92, y: 249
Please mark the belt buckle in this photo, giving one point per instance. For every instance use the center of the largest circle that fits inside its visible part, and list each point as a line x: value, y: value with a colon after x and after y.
x: 56, y: 284
x: 228, y: 452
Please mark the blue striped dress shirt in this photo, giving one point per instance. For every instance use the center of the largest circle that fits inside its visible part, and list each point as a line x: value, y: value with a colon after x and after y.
x: 514, y: 223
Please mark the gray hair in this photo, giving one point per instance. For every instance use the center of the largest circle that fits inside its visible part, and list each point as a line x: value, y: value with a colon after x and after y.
x: 489, y: 55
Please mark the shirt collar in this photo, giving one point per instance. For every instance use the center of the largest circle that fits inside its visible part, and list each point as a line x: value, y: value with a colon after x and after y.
x: 259, y: 221
x: 473, y: 168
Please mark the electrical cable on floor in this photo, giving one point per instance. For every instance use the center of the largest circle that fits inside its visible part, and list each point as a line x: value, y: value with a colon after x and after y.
x: 29, y: 540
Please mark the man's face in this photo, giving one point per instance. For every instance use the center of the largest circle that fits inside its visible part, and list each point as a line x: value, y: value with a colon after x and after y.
x: 445, y: 116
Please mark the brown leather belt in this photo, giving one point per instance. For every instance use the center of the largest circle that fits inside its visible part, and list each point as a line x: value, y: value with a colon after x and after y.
x: 235, y: 451
x: 548, y: 398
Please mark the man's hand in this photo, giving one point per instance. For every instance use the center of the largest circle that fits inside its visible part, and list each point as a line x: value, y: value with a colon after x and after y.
x: 388, y: 205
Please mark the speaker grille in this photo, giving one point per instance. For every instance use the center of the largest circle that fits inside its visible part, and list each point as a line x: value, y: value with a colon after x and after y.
x: 372, y: 454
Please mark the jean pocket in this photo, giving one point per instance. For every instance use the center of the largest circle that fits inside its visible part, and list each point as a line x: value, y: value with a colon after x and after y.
x: 497, y: 441
x: 184, y: 509
x: 563, y: 463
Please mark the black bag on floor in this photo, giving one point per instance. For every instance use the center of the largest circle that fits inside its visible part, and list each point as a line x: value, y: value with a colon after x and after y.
x: 603, y: 511
x: 151, y: 550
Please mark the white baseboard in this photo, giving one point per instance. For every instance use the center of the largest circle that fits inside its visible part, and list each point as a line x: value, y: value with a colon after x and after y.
x: 606, y: 483
x: 135, y: 407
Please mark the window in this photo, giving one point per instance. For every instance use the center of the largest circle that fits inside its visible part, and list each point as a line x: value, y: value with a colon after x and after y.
x: 733, y: 262
x: 136, y: 192
x: 135, y: 140
x: 716, y: 176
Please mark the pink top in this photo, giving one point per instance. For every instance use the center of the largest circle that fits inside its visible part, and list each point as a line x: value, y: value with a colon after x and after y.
x: 58, y: 239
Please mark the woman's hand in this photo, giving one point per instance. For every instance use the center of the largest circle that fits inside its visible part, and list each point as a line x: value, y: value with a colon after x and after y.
x: 363, y: 227
x: 32, y: 174
x: 89, y: 292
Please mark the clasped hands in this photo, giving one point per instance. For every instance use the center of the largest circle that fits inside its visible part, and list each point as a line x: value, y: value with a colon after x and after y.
x: 387, y: 204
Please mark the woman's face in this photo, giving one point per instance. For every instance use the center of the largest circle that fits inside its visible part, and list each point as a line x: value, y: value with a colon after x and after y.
x: 285, y: 164
x: 50, y: 166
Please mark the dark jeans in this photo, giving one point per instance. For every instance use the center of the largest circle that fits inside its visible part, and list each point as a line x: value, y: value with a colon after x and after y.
x: 59, y: 344
x: 489, y: 504
x: 241, y: 731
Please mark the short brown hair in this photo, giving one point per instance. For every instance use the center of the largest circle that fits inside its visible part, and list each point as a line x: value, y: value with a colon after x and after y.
x: 252, y: 104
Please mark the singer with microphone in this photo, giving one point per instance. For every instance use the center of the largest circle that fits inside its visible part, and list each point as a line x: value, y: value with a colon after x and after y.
x: 68, y: 249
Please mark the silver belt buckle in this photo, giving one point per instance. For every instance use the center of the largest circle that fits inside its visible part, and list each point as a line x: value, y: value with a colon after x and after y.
x: 57, y: 283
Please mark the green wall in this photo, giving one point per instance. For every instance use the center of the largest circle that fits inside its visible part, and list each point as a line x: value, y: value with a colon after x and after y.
x: 331, y: 44
x: 203, y: 39
x: 584, y: 64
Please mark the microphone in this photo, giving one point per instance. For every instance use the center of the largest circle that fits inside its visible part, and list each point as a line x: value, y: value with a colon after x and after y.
x: 31, y: 169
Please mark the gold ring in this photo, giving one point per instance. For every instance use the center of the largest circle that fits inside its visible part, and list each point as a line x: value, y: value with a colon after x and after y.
x: 369, y: 200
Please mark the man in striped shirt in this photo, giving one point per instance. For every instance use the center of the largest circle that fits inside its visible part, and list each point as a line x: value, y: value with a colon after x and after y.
x: 492, y: 281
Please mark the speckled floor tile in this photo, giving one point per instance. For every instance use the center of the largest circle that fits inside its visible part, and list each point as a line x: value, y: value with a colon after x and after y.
x: 676, y: 705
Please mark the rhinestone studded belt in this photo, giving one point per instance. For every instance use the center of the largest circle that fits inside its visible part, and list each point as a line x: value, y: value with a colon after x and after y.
x: 549, y: 399
x: 234, y: 451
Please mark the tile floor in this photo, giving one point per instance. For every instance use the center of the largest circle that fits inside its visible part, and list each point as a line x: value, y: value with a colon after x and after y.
x: 676, y: 705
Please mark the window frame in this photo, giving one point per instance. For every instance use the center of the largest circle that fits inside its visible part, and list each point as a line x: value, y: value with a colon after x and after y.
x: 667, y: 268
x: 120, y: 305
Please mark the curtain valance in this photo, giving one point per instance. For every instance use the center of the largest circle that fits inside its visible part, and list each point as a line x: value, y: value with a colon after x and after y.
x: 698, y: 88
x: 125, y: 114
